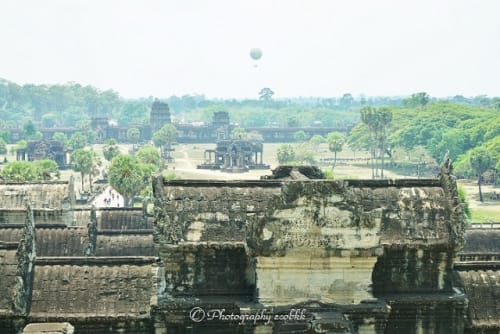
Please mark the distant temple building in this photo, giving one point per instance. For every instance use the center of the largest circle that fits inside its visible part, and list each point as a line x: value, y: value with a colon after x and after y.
x: 234, y: 156
x: 44, y: 149
x: 106, y: 128
x: 159, y: 116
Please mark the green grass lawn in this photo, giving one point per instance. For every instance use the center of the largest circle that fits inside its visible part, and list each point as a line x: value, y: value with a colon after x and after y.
x: 485, y: 215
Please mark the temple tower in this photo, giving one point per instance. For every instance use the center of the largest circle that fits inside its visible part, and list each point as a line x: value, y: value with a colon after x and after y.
x: 160, y: 115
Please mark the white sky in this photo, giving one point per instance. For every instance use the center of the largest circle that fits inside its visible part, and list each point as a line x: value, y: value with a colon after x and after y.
x: 310, y: 47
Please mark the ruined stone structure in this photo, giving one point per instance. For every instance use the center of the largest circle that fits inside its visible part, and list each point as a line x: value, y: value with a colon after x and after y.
x: 106, y: 128
x: 234, y: 156
x: 44, y: 149
x: 96, y: 269
x: 51, y: 201
x: 307, y: 255
x: 478, y: 268
x: 360, y: 256
x: 159, y: 116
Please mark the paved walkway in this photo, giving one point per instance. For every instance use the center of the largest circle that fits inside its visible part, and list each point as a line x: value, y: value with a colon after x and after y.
x: 109, y: 198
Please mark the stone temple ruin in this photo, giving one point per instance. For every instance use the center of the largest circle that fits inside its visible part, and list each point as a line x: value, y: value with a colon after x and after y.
x: 288, y: 254
x: 232, y: 155
x: 44, y: 149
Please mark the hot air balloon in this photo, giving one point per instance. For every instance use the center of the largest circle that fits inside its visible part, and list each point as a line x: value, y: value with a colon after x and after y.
x: 256, y: 53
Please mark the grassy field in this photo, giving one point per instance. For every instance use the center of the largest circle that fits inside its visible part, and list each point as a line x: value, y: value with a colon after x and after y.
x: 485, y: 214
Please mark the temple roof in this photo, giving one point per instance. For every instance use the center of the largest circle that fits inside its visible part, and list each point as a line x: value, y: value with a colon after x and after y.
x: 482, y: 241
x: 46, y: 195
x: 93, y: 287
x: 111, y: 244
x: 55, y: 241
x: 122, y: 219
x: 483, y: 292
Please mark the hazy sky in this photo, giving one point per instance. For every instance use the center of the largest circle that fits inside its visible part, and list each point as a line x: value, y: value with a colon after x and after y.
x: 310, y: 48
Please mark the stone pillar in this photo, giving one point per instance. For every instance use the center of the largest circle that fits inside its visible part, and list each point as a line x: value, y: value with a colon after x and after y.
x: 26, y: 253
x: 92, y: 233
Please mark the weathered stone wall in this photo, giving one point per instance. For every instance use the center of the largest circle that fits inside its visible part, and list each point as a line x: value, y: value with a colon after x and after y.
x: 8, y: 273
x: 320, y: 240
x: 52, y: 202
x: 202, y: 232
x: 213, y: 269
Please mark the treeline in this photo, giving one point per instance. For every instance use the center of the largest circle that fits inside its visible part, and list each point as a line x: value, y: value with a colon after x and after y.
x: 438, y: 130
x: 68, y: 105
x: 457, y: 126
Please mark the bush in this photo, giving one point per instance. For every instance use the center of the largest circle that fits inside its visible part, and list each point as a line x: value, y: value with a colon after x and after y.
x: 462, y: 196
x: 3, y: 146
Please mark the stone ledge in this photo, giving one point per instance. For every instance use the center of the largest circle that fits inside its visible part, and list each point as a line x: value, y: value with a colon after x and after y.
x: 8, y: 245
x: 86, y: 317
x: 115, y: 260
x: 220, y: 183
x: 476, y: 265
x: 204, y: 244
x: 394, y: 183
x: 126, y: 232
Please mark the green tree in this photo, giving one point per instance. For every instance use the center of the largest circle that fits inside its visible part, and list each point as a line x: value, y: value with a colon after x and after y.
x: 316, y: 140
x: 46, y: 168
x: 266, y: 94
x: 285, y: 154
x: 5, y: 135
x: 127, y: 176
x: 165, y: 137
x: 417, y: 100
x: 292, y: 121
x: 91, y: 136
x: 304, y: 154
x: 300, y: 136
x: 480, y: 160
x: 377, y: 121
x: 149, y: 155
x: 20, y: 171
x: 368, y: 118
x: 29, y: 130
x: 3, y: 146
x: 49, y: 120
x: 133, y: 135
x: 346, y: 101
x: 87, y: 162
x: 77, y: 141
x: 110, y: 149
x: 238, y: 133
x: 335, y: 142
x: 62, y: 138
x: 382, y: 120
x: 462, y: 196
